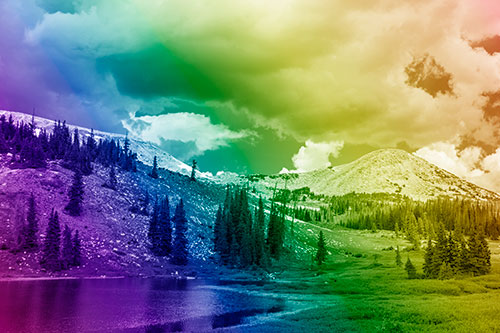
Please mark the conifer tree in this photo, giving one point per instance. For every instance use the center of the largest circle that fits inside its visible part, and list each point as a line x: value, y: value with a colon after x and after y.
x: 259, y: 234
x: 429, y: 266
x: 193, y: 170
x: 76, y: 250
x: 399, y: 262
x: 112, y: 183
x: 218, y: 233
x: 74, y: 206
x: 154, y: 171
x: 410, y: 269
x: 31, y: 241
x: 179, y: 251
x: 321, y: 253
x: 164, y: 229
x: 67, y: 249
x: 51, y: 247
x: 153, y: 232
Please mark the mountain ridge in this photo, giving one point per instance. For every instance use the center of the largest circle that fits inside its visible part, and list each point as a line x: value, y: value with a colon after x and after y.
x: 392, y: 171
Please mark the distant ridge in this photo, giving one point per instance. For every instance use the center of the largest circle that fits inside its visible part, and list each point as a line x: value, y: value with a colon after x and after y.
x: 386, y: 171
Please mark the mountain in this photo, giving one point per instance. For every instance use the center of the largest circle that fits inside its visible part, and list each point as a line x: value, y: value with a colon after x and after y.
x: 382, y: 171
x: 145, y: 150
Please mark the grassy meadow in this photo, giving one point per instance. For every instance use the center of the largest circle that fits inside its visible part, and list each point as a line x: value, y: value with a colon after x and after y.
x: 360, y: 288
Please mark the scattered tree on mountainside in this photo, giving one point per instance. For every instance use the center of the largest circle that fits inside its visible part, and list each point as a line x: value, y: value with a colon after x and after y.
x: 153, y: 225
x: 179, y: 250
x: 74, y: 206
x: 51, y: 246
x: 193, y: 170
x: 76, y: 252
x: 111, y: 183
x: 154, y: 171
x: 160, y: 229
x: 67, y: 249
x: 31, y: 238
x: 321, y: 253
x: 164, y: 245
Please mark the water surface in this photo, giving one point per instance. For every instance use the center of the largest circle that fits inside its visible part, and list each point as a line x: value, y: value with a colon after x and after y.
x: 126, y: 305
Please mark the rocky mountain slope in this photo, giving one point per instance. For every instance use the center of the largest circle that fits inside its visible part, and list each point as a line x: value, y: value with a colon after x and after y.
x: 114, y: 239
x: 385, y: 170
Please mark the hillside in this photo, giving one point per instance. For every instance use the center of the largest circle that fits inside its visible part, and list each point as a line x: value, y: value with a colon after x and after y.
x: 114, y: 240
x: 381, y: 171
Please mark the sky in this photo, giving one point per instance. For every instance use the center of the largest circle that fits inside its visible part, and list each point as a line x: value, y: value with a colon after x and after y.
x: 258, y: 86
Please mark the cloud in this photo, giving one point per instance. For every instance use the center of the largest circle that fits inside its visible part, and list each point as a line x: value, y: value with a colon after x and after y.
x: 471, y: 163
x: 323, y: 70
x: 316, y: 155
x: 193, y: 134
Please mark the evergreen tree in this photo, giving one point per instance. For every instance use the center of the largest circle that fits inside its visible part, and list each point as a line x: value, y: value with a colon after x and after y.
x: 67, y: 249
x: 154, y: 171
x: 219, y: 236
x: 179, y: 251
x: 153, y: 231
x: 76, y: 250
x: 193, y: 170
x: 259, y: 234
x: 51, y: 247
x: 74, y: 206
x: 410, y: 269
x: 112, y: 183
x: 321, y: 253
x: 445, y: 271
x: 399, y: 262
x: 31, y: 241
x: 429, y: 266
x: 164, y: 229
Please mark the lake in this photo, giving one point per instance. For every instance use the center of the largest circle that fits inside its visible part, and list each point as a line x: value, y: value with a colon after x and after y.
x: 128, y: 305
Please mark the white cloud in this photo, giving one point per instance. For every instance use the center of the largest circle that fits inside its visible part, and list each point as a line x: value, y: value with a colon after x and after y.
x: 182, y: 127
x: 315, y: 155
x: 470, y: 163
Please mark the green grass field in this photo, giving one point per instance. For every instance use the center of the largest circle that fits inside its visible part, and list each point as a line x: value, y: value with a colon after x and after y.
x: 360, y: 288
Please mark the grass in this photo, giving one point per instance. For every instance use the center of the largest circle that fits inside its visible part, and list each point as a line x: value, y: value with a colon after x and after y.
x: 360, y: 288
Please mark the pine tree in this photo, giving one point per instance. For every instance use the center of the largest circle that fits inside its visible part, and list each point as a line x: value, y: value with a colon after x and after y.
x: 429, y: 266
x: 164, y: 229
x: 74, y: 207
x: 321, y: 253
x: 51, y: 247
x: 193, y: 170
x: 218, y: 233
x: 445, y: 271
x: 31, y: 241
x: 112, y: 183
x: 259, y: 234
x: 67, y: 249
x: 76, y: 250
x: 410, y: 269
x: 153, y: 232
x: 399, y: 262
x: 179, y: 251
x: 154, y: 171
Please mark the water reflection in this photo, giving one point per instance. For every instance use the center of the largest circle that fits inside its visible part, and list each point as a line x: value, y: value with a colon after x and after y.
x: 125, y: 305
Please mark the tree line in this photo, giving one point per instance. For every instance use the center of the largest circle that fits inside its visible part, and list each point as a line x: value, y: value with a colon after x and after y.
x: 242, y: 236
